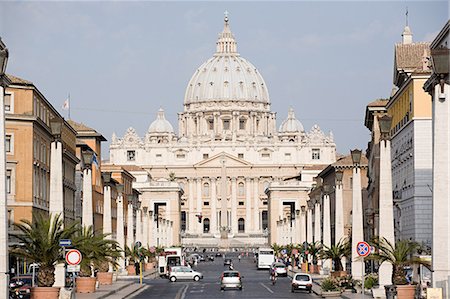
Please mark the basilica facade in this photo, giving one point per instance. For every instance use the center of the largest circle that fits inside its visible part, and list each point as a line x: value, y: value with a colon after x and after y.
x: 228, y: 173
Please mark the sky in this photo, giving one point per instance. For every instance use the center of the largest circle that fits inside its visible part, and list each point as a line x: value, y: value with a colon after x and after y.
x: 121, y: 61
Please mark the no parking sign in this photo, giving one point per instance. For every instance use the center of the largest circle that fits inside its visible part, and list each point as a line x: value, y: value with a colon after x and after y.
x: 363, y: 249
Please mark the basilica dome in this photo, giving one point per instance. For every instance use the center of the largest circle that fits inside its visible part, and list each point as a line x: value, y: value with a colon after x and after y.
x: 291, y: 124
x: 226, y: 76
x: 160, y: 125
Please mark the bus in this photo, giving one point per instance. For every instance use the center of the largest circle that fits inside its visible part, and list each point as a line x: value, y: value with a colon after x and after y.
x: 265, y: 258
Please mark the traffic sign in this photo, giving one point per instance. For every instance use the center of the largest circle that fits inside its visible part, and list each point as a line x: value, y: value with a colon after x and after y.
x: 283, y: 251
x: 65, y: 242
x: 138, y: 244
x: 73, y: 257
x: 73, y: 268
x: 152, y: 249
x: 294, y: 251
x: 363, y: 249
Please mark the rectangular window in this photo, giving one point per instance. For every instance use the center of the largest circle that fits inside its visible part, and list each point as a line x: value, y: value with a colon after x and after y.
x: 265, y: 155
x: 242, y: 124
x: 181, y: 156
x: 205, y: 156
x: 7, y: 98
x: 206, y: 203
x: 8, y: 143
x: 131, y: 155
x: 8, y: 181
x: 316, y: 154
x: 241, y: 203
x: 287, y: 156
x: 226, y: 124
x: 211, y: 124
x: 241, y: 156
x: 351, y: 182
x: 158, y: 155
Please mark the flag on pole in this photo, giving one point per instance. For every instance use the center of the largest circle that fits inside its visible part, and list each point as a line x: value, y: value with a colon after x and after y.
x: 66, y: 105
x: 95, y: 161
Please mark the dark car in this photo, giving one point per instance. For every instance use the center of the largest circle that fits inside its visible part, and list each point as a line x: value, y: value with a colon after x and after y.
x: 24, y: 283
x: 218, y: 254
x: 227, y: 262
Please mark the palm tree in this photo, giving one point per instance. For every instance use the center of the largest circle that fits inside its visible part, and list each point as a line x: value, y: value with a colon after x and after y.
x: 314, y: 249
x: 276, y: 249
x: 336, y: 253
x: 399, y: 255
x: 97, y: 250
x: 39, y: 243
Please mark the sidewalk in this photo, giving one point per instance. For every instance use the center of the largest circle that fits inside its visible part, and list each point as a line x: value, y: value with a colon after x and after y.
x: 122, y: 288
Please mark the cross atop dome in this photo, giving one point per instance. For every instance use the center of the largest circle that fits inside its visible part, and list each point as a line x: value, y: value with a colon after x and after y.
x: 226, y: 44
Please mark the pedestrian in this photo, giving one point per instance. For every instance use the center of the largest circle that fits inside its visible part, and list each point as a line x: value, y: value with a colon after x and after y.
x: 239, y: 257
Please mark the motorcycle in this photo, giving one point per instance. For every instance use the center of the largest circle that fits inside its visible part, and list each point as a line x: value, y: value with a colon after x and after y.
x: 14, y: 290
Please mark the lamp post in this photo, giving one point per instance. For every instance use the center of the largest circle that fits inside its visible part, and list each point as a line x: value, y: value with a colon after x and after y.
x: 302, y: 224
x: 357, y: 216
x: 386, y: 212
x: 4, y: 257
x: 120, y: 228
x: 107, y: 220
x: 339, y: 212
x: 87, y: 218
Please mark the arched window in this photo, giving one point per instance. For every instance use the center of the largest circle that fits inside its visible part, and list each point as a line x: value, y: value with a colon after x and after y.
x: 241, y: 225
x: 205, y: 190
x: 206, y: 225
x: 241, y: 189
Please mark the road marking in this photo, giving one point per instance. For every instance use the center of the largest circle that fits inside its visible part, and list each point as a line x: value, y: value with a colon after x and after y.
x: 267, y: 288
x: 181, y: 292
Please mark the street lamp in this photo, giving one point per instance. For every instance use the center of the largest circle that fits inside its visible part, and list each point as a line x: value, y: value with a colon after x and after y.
x: 385, y: 123
x: 4, y: 256
x: 356, y: 157
x: 56, y: 127
x: 87, y: 156
x: 338, y: 176
x: 440, y: 61
x: 106, y: 177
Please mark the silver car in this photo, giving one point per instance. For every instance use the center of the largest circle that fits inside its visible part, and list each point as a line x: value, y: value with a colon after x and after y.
x: 280, y: 268
x: 231, y: 279
x: 183, y: 273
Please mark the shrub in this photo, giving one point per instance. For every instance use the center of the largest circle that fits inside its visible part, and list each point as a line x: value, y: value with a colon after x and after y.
x: 370, y: 280
x: 329, y: 284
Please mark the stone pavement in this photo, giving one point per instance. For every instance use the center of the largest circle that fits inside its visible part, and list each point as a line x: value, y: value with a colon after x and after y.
x: 124, y: 287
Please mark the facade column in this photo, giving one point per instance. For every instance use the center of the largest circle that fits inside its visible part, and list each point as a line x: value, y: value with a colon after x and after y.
x: 234, y: 220
x: 256, y: 225
x: 248, y: 206
x: 296, y: 229
x: 386, y: 212
x: 120, y: 232
x: 441, y: 187
x: 309, y: 232
x: 145, y: 227
x: 151, y: 229
x: 326, y: 227
x: 302, y: 225
x: 357, y: 223
x: 107, y: 220
x: 339, y: 217
x: 191, y: 213
x: 139, y: 226
x: 130, y: 226
x: 88, y: 215
x: 199, y: 227
x: 213, y: 228
x: 317, y: 218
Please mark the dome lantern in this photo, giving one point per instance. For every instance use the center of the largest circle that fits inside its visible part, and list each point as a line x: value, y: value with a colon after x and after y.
x: 226, y: 44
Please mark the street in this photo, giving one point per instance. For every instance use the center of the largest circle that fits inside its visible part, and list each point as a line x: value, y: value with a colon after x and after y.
x: 256, y: 284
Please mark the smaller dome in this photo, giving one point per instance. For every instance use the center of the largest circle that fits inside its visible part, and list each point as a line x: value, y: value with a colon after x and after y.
x: 160, y: 125
x: 291, y: 124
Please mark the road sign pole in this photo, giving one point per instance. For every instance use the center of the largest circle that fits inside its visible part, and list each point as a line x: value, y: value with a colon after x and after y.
x: 140, y: 272
x: 362, y: 267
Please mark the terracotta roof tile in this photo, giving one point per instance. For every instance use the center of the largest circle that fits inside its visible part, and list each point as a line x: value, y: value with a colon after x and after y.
x: 378, y: 103
x: 410, y: 56
x: 347, y: 161
x: 17, y: 80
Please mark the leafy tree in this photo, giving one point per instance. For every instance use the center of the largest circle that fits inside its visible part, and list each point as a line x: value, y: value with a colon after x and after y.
x: 39, y: 243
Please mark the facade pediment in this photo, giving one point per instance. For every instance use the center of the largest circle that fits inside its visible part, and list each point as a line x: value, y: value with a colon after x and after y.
x: 216, y: 161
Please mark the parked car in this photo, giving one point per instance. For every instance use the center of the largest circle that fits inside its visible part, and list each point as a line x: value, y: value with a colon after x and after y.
x: 183, y: 273
x: 230, y: 279
x: 218, y: 254
x: 201, y: 258
x: 301, y: 281
x: 227, y: 262
x: 280, y: 268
